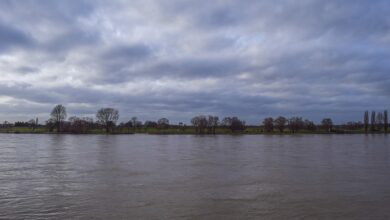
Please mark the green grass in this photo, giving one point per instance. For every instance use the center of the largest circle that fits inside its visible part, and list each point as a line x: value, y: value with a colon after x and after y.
x: 23, y: 130
x: 174, y: 130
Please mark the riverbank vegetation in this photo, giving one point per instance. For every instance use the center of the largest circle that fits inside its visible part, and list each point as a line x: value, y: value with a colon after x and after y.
x: 106, y: 122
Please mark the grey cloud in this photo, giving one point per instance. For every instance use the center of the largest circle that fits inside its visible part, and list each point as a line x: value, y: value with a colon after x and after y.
x: 115, y: 62
x: 25, y: 23
x: 11, y: 37
x: 26, y: 69
x: 61, y: 12
x: 311, y: 58
x: 27, y: 92
x: 72, y: 39
x: 128, y: 53
x: 197, y: 67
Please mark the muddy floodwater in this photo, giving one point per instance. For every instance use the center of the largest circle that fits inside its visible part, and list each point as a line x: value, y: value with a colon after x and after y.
x: 194, y: 177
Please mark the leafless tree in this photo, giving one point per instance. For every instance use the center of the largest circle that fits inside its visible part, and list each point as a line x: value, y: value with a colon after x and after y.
x: 107, y: 117
x: 366, y: 121
x: 373, y: 121
x: 200, y: 123
x: 226, y: 122
x: 212, y: 123
x: 50, y: 124
x: 352, y: 125
x: 268, y: 124
x: 80, y: 125
x: 163, y: 123
x: 134, y: 122
x: 237, y: 124
x: 295, y: 124
x: 309, y: 125
x: 280, y: 123
x: 150, y: 124
x: 327, y: 124
x: 138, y: 124
x: 6, y: 125
x: 379, y: 120
x: 385, y: 121
x: 128, y: 125
x: 77, y: 125
x: 234, y: 123
x: 58, y: 115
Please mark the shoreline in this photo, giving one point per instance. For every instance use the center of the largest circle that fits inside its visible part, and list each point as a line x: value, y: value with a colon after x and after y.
x: 195, y: 134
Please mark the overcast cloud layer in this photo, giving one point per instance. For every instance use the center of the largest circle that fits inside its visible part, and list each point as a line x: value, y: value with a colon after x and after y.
x: 177, y: 59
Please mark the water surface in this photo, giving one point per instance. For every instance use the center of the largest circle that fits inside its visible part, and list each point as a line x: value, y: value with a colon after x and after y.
x: 194, y: 177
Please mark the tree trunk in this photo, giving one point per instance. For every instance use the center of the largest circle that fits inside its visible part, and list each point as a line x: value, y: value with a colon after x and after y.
x: 58, y: 127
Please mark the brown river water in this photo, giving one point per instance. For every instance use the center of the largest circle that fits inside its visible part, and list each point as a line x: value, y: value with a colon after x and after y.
x: 194, y: 177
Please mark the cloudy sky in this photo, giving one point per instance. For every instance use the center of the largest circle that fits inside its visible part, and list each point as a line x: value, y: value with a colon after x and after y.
x: 177, y: 59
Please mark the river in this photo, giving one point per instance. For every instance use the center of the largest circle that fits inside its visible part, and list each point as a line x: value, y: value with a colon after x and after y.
x: 194, y: 177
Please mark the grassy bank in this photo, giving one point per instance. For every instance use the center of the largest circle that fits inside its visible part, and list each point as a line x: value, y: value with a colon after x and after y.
x: 254, y: 130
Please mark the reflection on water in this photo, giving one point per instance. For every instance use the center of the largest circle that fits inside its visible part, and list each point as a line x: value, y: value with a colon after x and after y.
x: 194, y: 177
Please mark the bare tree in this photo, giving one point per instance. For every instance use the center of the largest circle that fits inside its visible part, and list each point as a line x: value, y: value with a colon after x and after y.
x: 280, y: 123
x: 138, y: 124
x: 385, y: 121
x: 237, y: 124
x: 379, y: 120
x: 212, y: 123
x: 353, y: 125
x: 50, y: 124
x: 295, y: 124
x: 134, y: 122
x: 107, y: 117
x: 195, y: 123
x: 309, y: 125
x: 81, y: 125
x: 150, y: 124
x: 366, y: 121
x: 373, y: 121
x: 226, y: 122
x: 234, y: 123
x: 89, y: 122
x: 327, y: 124
x: 268, y: 124
x: 7, y: 125
x: 200, y: 123
x: 129, y: 126
x: 58, y: 115
x: 163, y: 123
x: 78, y: 125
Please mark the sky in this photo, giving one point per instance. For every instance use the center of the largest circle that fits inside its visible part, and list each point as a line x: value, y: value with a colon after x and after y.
x: 178, y: 59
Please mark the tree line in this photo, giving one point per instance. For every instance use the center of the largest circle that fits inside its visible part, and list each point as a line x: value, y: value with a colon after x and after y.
x: 379, y: 121
x: 295, y: 124
x: 107, y: 118
x: 208, y: 124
